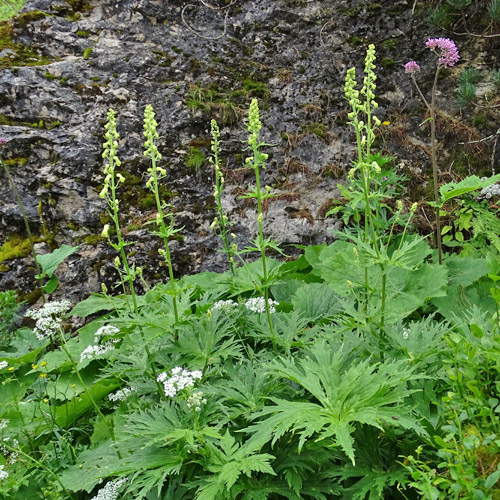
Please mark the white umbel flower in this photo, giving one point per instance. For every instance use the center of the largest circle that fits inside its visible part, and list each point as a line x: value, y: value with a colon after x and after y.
x: 3, y: 474
x: 225, y: 305
x: 120, y: 394
x: 3, y: 364
x: 111, y: 490
x: 48, y: 318
x: 179, y: 379
x: 258, y: 304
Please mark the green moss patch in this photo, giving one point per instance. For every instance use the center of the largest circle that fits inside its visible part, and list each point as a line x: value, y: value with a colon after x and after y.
x: 15, y: 248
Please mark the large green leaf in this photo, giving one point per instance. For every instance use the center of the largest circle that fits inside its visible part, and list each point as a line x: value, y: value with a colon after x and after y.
x: 50, y: 261
x: 316, y: 300
x: 467, y: 185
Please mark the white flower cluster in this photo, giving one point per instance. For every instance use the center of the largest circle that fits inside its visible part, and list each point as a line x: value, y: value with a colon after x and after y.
x: 490, y: 191
x: 196, y: 400
x: 258, y: 304
x: 178, y: 380
x: 121, y: 394
x: 6, y: 452
x: 225, y: 305
x: 3, y: 474
x: 110, y: 491
x: 4, y: 422
x: 106, y: 331
x: 92, y: 351
x: 3, y: 364
x: 406, y: 333
x: 48, y: 318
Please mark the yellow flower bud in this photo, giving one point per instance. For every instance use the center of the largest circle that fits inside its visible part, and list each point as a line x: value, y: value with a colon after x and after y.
x: 105, y: 231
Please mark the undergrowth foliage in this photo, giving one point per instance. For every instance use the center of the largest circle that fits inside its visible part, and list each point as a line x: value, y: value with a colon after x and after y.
x: 364, y: 369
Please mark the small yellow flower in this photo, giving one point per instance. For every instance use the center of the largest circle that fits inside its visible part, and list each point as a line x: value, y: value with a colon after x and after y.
x: 44, y: 363
x: 386, y: 123
x: 34, y: 367
x: 45, y: 400
x: 11, y: 368
x: 43, y: 375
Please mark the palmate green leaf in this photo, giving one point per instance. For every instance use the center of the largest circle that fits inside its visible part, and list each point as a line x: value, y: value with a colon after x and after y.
x: 459, y: 300
x: 103, y: 462
x: 227, y: 461
x: 464, y: 271
x: 408, y: 285
x: 467, y: 185
x: 316, y: 300
x: 371, y: 482
x: 343, y: 395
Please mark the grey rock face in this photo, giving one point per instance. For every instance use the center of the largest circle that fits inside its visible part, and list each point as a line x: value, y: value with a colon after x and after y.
x: 192, y: 63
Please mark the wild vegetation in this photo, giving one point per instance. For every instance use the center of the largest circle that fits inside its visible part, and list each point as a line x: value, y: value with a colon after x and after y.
x: 364, y: 369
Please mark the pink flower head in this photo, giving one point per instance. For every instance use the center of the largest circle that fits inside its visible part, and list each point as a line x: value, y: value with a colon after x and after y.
x: 448, y: 54
x: 2, y: 140
x: 412, y: 67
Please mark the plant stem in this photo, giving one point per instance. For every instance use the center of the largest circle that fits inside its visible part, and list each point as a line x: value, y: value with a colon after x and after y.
x: 45, y: 468
x: 92, y: 400
x: 26, y: 224
x: 434, y: 165
x: 260, y: 217
x: 163, y: 229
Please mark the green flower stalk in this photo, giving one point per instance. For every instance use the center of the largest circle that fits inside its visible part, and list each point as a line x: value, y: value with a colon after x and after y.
x: 165, y: 229
x: 112, y: 182
x: 257, y: 160
x: 220, y: 224
x: 12, y: 185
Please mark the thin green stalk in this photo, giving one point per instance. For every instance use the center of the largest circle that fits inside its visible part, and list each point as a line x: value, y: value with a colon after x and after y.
x: 166, y: 230
x: 26, y: 224
x: 222, y: 221
x: 41, y: 466
x: 434, y: 166
x: 85, y: 388
x: 163, y: 229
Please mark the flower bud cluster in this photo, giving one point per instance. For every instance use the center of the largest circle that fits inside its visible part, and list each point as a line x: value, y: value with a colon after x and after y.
x: 3, y: 474
x: 196, y: 400
x: 179, y: 379
x: 48, y: 318
x: 110, y: 149
x: 151, y: 151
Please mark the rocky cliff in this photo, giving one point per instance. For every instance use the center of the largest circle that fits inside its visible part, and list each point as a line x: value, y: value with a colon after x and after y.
x: 64, y: 63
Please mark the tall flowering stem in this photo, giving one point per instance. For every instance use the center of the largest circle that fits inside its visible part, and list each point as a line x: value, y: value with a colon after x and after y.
x: 364, y: 122
x: 448, y: 56
x: 165, y: 230
x: 112, y: 182
x: 221, y: 223
x: 257, y: 160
